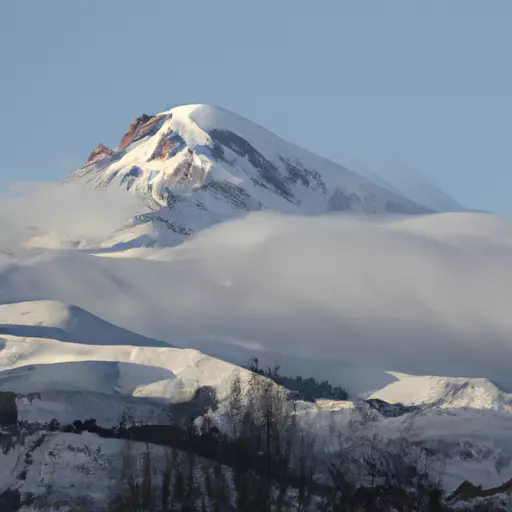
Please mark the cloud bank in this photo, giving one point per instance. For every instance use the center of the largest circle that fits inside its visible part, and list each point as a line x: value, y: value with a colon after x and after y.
x: 69, y: 211
x: 422, y: 295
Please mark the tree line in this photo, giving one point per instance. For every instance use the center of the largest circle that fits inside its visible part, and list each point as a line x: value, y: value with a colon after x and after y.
x: 256, y: 455
x: 308, y: 388
x: 264, y: 459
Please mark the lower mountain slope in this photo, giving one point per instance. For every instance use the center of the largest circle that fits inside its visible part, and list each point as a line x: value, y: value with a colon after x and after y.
x: 465, y: 423
x: 57, y: 320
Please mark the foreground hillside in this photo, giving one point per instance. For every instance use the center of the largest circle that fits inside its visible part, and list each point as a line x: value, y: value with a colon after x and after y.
x: 133, y: 296
x: 55, y: 390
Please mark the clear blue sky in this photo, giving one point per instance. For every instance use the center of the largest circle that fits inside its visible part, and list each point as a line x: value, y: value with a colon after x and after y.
x: 427, y: 84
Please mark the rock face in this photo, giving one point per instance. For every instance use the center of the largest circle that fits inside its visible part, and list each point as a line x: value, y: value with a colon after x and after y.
x: 8, y: 409
x: 165, y: 145
x: 99, y: 152
x: 133, y: 130
x: 151, y: 126
x: 390, y: 410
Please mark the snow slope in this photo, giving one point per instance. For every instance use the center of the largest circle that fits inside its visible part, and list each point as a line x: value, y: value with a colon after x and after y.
x: 446, y: 393
x: 68, y: 469
x: 76, y: 377
x: 30, y: 365
x: 57, y: 320
x: 198, y: 165
x: 92, y: 353
x: 70, y: 381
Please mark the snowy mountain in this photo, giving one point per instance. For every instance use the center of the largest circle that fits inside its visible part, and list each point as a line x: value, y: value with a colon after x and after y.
x: 293, y: 259
x: 198, y: 165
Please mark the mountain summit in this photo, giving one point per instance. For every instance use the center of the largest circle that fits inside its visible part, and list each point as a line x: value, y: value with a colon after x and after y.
x: 198, y: 165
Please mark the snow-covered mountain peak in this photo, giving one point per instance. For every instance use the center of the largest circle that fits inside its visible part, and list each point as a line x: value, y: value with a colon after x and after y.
x: 198, y: 165
x: 196, y: 122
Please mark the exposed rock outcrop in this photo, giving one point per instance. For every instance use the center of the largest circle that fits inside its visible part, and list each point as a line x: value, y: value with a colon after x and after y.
x: 99, y: 152
x: 165, y: 145
x: 151, y: 126
x: 133, y: 130
x: 143, y: 126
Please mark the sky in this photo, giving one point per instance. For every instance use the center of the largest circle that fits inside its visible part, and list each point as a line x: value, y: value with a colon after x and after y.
x: 399, y: 84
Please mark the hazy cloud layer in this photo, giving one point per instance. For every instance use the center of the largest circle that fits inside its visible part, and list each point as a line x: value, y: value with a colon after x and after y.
x: 68, y: 210
x: 425, y: 295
